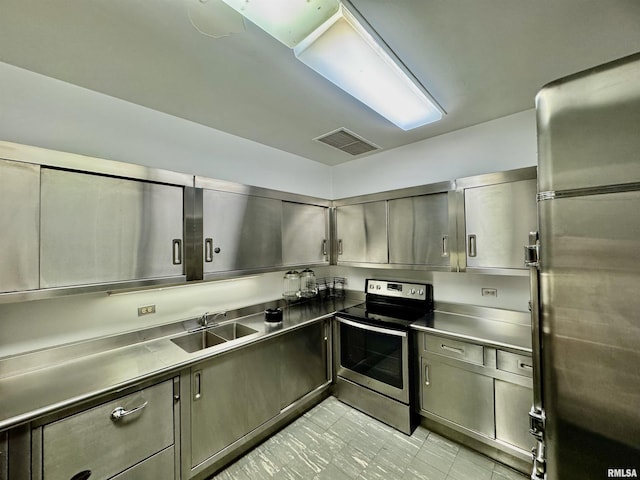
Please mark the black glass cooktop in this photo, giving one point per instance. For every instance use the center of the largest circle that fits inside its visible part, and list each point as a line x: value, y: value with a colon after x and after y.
x: 375, y: 314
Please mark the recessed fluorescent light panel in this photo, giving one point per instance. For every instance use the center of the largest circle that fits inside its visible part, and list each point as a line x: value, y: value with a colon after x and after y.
x: 346, y: 54
x: 339, y: 47
x: 289, y: 21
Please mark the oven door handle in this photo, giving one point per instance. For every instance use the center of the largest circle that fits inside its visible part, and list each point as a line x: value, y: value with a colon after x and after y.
x: 371, y: 328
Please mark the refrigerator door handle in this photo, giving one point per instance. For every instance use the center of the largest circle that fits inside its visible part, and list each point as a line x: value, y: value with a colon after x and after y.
x: 537, y: 413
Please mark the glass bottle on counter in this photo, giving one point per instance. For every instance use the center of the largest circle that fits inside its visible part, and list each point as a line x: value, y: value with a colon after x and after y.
x: 308, y: 287
x: 291, y: 290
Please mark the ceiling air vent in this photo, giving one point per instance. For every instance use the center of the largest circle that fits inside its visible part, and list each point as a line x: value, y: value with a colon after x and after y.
x: 347, y: 141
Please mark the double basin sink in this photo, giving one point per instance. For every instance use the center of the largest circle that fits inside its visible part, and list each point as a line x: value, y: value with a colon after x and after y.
x: 213, y: 336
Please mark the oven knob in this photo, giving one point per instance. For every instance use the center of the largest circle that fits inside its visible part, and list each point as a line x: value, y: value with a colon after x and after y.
x: 421, y: 292
x: 413, y: 291
x: 370, y: 287
x: 378, y: 287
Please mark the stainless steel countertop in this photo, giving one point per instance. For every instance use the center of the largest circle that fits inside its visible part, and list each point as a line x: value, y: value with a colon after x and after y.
x: 505, y: 329
x: 94, y: 369
x: 40, y: 383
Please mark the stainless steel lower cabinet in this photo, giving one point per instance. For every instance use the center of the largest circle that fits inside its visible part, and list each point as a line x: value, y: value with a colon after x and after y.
x: 478, y: 395
x: 231, y: 395
x: 303, y: 362
x: 240, y: 397
x: 458, y: 395
x: 513, y: 403
x: 108, y: 439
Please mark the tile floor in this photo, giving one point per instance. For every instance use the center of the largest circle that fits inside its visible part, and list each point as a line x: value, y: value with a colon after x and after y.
x: 333, y: 441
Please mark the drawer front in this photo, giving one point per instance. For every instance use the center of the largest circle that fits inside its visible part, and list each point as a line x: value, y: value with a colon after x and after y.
x: 514, y: 363
x: 92, y: 440
x: 159, y: 467
x: 467, y: 352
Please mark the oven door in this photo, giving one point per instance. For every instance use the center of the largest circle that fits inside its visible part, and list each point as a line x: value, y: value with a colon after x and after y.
x: 374, y: 357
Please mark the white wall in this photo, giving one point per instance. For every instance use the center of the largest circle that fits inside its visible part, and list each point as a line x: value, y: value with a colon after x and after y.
x: 41, y: 111
x: 502, y: 144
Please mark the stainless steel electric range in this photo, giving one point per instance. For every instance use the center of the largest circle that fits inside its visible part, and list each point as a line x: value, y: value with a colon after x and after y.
x: 373, y: 351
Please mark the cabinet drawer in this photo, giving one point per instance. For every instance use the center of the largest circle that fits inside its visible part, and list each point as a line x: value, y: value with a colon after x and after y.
x: 464, y: 351
x: 159, y: 467
x: 514, y: 363
x: 92, y: 440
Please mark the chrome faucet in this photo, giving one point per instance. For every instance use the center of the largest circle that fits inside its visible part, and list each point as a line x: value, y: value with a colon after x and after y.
x: 210, y: 317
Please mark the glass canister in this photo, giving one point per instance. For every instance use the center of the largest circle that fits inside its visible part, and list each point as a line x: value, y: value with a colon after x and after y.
x: 291, y: 289
x: 308, y: 287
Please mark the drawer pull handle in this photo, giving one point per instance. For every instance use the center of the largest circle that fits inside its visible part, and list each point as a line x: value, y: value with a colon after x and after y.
x: 452, y: 349
x: 426, y: 376
x: 120, y: 412
x: 83, y: 475
x: 525, y: 366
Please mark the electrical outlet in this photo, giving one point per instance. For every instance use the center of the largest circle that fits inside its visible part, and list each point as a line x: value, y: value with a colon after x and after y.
x: 146, y: 310
x: 489, y: 292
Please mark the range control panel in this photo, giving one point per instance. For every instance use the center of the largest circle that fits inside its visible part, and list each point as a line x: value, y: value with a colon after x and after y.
x: 414, y: 291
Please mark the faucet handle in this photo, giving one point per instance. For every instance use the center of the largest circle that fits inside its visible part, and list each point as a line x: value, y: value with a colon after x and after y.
x: 204, y: 320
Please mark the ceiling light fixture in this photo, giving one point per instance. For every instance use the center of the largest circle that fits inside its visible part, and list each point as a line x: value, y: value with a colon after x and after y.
x: 343, y: 48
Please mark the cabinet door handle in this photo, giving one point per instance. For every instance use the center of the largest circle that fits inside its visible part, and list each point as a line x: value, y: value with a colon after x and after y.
x: 324, y: 248
x: 452, y: 349
x: 472, y: 247
x: 445, y: 245
x: 525, y: 366
x: 197, y: 386
x: 208, y: 250
x: 177, y: 251
x: 426, y: 375
x: 120, y: 412
x: 340, y: 247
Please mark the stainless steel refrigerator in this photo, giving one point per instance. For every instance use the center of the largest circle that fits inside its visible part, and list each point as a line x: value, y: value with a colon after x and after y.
x: 585, y: 276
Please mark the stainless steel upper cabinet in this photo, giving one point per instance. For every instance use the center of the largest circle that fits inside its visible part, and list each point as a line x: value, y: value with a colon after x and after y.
x: 19, y: 220
x: 241, y: 232
x: 362, y: 233
x: 305, y: 238
x: 98, y: 229
x: 419, y: 230
x: 497, y: 221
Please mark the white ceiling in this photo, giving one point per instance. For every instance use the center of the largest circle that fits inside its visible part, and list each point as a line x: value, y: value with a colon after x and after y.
x: 481, y: 59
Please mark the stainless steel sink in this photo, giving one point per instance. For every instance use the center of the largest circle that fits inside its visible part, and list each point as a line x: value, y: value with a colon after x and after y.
x: 212, y: 337
x: 231, y: 331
